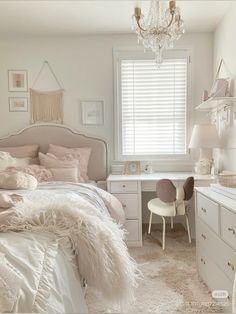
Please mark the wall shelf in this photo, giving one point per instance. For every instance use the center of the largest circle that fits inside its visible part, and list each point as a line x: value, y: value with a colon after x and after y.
x: 215, y: 103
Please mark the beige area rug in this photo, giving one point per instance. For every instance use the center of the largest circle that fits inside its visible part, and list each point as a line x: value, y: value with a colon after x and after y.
x: 170, y: 284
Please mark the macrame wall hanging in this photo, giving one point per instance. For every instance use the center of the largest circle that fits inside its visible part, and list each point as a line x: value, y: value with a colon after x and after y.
x: 46, y: 106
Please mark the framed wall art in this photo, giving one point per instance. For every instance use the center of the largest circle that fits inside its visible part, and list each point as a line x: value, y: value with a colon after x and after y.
x: 132, y: 167
x: 92, y: 112
x: 18, y: 104
x: 17, y: 81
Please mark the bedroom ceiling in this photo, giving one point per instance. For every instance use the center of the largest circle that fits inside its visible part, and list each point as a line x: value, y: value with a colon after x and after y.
x: 94, y: 17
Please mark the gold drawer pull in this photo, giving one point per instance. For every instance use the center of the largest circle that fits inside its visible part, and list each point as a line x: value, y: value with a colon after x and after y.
x: 203, y: 209
x: 203, y: 261
x: 232, y: 230
x: 123, y: 186
x: 203, y: 236
x: 123, y: 205
x: 231, y: 266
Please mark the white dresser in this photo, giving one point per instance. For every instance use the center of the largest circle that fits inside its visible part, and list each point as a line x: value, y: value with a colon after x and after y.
x: 216, y: 239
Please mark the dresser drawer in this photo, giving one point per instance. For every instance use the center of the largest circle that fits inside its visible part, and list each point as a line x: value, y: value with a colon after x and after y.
x: 212, y: 275
x: 208, y: 211
x: 124, y: 186
x: 132, y: 227
x: 228, y: 227
x: 130, y: 205
x: 207, y: 240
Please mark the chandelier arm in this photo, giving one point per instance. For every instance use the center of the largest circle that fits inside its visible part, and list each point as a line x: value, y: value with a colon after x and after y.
x: 171, y: 21
x: 140, y: 27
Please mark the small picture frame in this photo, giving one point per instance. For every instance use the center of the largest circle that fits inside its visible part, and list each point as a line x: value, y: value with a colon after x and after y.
x: 132, y: 167
x: 17, y: 81
x: 18, y: 104
x: 92, y: 112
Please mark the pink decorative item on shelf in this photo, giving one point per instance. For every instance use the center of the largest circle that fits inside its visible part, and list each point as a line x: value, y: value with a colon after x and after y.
x: 205, y: 95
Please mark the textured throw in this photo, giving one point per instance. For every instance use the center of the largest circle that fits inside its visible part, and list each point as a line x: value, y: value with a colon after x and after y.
x: 96, y: 240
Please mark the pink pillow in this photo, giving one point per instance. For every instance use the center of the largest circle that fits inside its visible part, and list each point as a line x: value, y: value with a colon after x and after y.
x: 82, y: 154
x: 50, y: 161
x: 64, y: 174
x: 22, y: 151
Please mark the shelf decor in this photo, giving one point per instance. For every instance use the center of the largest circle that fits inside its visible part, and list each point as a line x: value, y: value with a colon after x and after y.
x: 219, y: 97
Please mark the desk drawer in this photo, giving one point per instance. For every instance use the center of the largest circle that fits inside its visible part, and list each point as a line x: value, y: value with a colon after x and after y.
x: 208, y: 211
x: 130, y: 205
x: 228, y: 227
x: 124, y: 186
x: 132, y: 227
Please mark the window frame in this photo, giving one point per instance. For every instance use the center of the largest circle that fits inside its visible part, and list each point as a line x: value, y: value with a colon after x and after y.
x: 135, y: 53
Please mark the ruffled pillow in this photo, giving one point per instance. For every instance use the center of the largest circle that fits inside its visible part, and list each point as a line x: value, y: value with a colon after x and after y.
x: 39, y: 172
x: 69, y: 165
x: 82, y: 154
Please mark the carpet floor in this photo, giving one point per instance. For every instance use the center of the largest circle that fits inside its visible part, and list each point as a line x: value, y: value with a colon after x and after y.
x: 170, y: 284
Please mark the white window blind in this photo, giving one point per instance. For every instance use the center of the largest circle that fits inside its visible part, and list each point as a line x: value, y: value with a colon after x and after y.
x: 153, y: 107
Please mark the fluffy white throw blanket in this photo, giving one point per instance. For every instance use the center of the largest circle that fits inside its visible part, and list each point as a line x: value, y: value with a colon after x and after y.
x: 96, y: 240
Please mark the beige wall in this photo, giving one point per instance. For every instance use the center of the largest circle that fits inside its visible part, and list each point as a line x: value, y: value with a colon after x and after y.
x: 225, y: 47
x: 84, y: 66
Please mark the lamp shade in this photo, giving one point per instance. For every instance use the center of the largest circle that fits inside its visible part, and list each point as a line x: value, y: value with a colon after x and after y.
x: 204, y: 136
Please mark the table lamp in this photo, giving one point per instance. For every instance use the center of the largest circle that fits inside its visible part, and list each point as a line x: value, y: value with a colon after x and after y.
x: 204, y: 137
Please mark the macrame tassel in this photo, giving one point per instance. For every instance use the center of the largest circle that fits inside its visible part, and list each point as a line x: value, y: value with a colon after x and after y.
x: 46, y: 106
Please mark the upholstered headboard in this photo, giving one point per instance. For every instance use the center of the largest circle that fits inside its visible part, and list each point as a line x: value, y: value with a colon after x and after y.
x: 45, y: 134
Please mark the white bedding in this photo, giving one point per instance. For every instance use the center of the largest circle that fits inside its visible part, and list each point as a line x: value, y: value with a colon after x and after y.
x: 58, y: 276
x: 66, y: 296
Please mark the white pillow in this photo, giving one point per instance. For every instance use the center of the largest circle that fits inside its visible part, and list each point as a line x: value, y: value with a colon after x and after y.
x: 6, y: 161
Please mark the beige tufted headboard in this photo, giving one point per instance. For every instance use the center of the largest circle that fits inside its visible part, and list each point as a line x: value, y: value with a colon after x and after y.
x: 45, y: 134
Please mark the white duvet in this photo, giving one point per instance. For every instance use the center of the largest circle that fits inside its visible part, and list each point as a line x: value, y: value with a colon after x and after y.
x: 57, y: 217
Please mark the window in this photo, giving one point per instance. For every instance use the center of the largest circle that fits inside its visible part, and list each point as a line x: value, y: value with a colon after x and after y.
x: 152, y: 104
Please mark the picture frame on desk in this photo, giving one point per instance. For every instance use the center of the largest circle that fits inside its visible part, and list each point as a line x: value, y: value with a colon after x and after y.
x: 132, y: 168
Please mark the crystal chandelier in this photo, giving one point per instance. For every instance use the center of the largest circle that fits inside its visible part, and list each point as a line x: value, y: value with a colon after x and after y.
x: 161, y: 28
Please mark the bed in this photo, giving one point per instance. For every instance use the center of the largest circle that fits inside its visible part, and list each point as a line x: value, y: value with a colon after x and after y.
x: 63, y: 236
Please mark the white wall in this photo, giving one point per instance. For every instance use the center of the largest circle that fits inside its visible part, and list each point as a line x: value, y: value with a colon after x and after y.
x: 84, y: 66
x: 225, y: 47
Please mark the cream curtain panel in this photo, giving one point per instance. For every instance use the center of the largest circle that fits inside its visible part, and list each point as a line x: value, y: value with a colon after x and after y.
x: 46, y: 106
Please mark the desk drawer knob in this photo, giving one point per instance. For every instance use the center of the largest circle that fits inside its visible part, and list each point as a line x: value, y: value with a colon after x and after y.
x: 124, y: 206
x: 203, y: 209
x: 203, y: 261
x: 123, y: 186
x: 231, y: 266
x: 232, y: 230
x: 203, y: 236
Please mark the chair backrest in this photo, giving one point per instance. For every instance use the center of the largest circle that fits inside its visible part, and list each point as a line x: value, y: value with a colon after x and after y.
x: 188, y: 188
x: 166, y: 191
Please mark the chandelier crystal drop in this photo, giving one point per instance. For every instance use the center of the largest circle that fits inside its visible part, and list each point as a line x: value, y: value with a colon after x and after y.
x: 162, y: 26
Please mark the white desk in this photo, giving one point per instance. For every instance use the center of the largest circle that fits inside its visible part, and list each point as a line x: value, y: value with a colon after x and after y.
x: 128, y: 189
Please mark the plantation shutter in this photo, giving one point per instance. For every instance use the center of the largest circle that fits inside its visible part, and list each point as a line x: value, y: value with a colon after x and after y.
x: 153, y: 107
